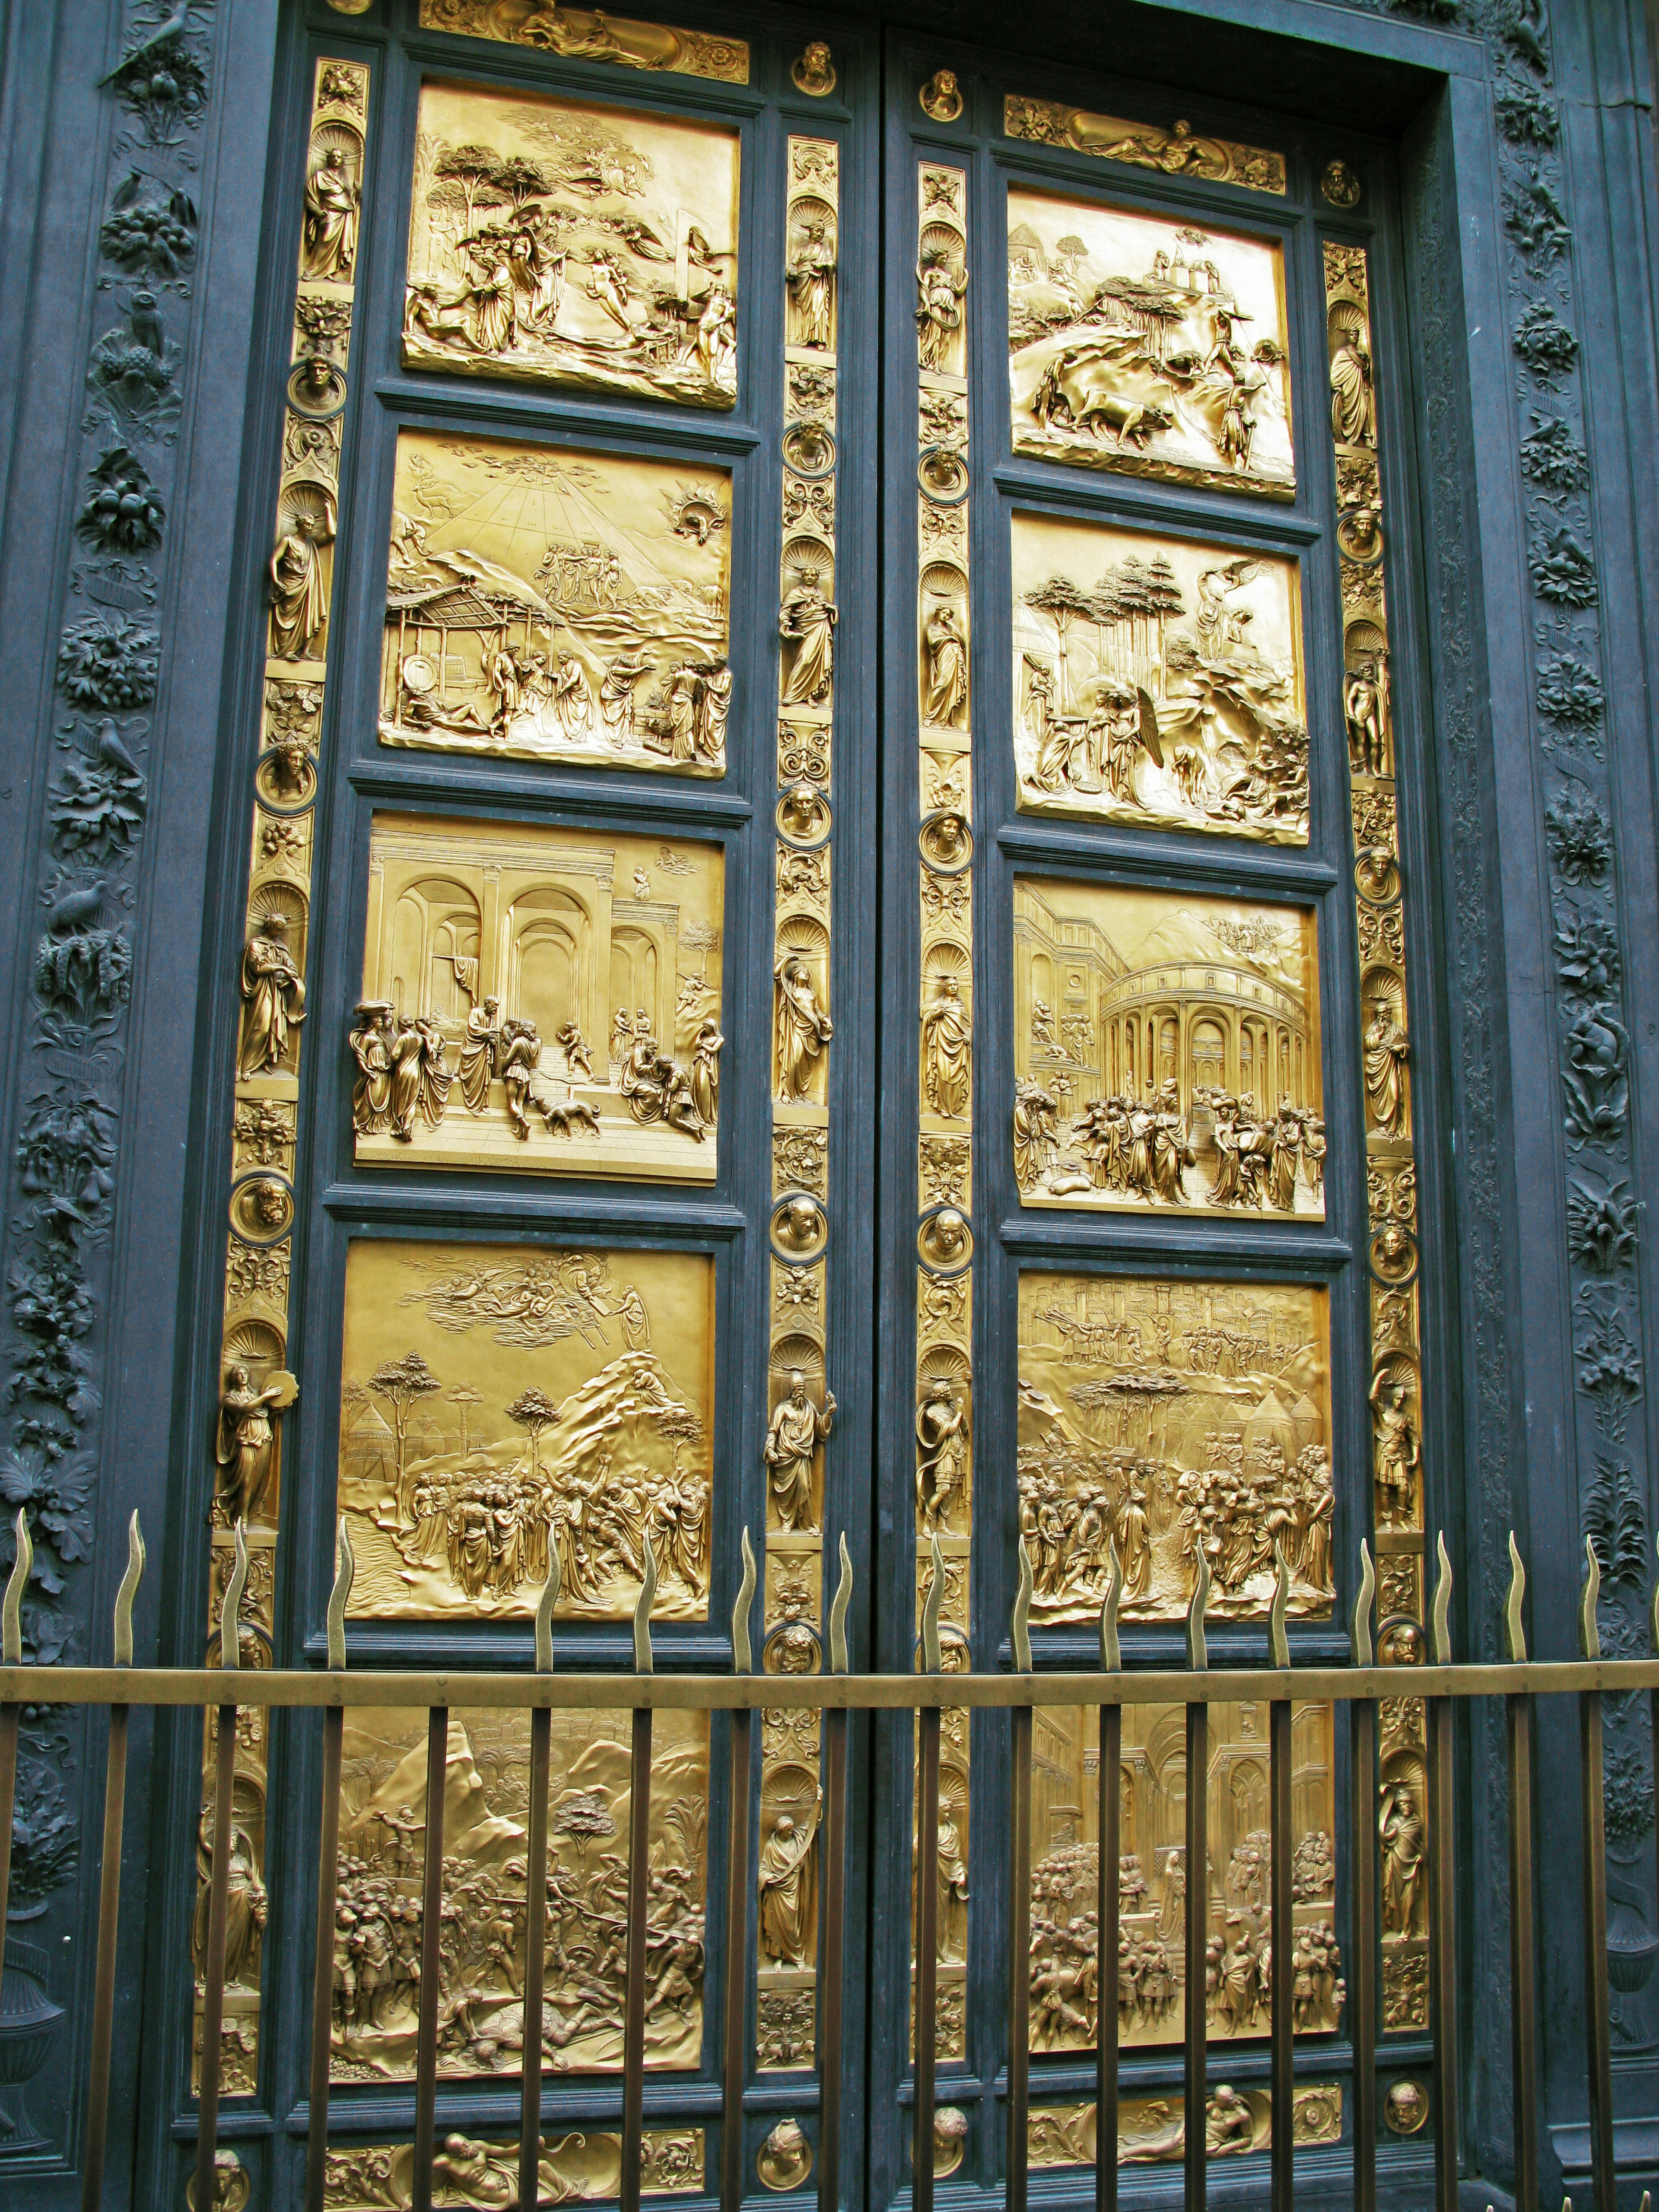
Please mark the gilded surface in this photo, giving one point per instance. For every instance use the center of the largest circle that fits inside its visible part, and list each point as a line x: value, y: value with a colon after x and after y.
x: 483, y: 2175
x: 1152, y: 2130
x: 499, y: 1404
x: 1180, y: 151
x: 1157, y: 682
x: 574, y: 976
x: 1140, y: 344
x: 486, y: 1810
x: 1175, y: 1419
x: 1166, y: 1052
x: 589, y: 34
x: 557, y: 605
x: 564, y: 244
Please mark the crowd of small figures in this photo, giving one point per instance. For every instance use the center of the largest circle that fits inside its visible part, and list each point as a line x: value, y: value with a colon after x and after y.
x: 404, y: 1073
x: 377, y: 1949
x: 1134, y: 1147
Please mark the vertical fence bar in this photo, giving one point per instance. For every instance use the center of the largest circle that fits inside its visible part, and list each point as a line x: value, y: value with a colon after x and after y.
x: 1109, y: 1900
x: 432, y: 1911
x: 328, y: 1884
x: 1195, y: 2179
x: 1597, y: 1995
x: 1442, y: 1943
x: 834, y: 1905
x: 1362, y: 1945
x: 734, y: 2057
x: 11, y: 1648
x: 109, y: 1893
x: 535, y: 1907
x: 1523, y: 2013
x: 213, y: 1965
x: 639, y: 1852
x: 1280, y: 1917
x: 1019, y: 1909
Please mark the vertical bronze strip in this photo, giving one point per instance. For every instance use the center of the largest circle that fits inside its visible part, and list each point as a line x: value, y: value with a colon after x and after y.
x: 1362, y: 1947
x: 103, y: 2001
x: 322, y: 1972
x: 1597, y: 2028
x: 534, y: 1958
x: 1442, y: 1954
x: 1110, y: 1904
x: 1019, y: 1964
x: 926, y: 1865
x: 1197, y: 1934
x: 833, y: 1939
x: 432, y: 1908
x: 213, y: 1969
x: 1279, y: 1821
x: 638, y: 1854
x: 1524, y: 2000
x: 736, y: 1992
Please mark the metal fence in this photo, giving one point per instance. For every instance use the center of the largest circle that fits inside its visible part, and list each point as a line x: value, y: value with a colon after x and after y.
x: 835, y: 1694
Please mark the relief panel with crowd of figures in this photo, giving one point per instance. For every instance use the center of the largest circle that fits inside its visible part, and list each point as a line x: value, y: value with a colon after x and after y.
x: 569, y: 244
x: 577, y: 976
x: 1174, y: 1419
x: 1139, y: 342
x: 557, y: 605
x: 502, y: 1406
x: 1166, y: 1052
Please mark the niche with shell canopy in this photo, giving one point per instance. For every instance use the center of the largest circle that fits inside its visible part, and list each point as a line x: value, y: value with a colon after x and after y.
x: 943, y: 619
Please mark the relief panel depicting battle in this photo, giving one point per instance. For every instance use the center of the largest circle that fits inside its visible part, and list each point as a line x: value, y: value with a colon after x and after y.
x: 377, y: 1938
x: 1174, y: 1420
x: 1140, y: 344
x: 501, y: 1404
x: 557, y: 605
x: 539, y: 998
x: 1157, y: 682
x: 567, y: 243
x: 1166, y: 1052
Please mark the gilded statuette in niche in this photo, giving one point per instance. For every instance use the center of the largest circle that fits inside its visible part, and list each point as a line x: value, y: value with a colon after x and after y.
x: 1066, y: 1997
x: 1174, y: 1419
x: 575, y: 977
x: 486, y: 1817
x: 591, y: 34
x: 565, y: 244
x: 501, y: 1403
x: 1166, y: 1052
x: 1142, y: 345
x: 1157, y: 682
x: 558, y: 606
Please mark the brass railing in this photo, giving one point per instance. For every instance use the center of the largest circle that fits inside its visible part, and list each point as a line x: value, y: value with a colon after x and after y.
x: 836, y: 1695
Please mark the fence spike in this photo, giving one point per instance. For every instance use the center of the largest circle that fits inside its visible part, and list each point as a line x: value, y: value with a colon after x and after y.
x: 544, y: 1605
x: 1515, y: 1629
x: 1440, y: 1609
x: 933, y: 1657
x: 839, y: 1663
x: 1021, y: 1631
x: 1278, y: 1643
x: 1646, y: 2205
x: 1197, y: 1651
x: 1589, y: 1632
x: 1111, y: 1654
x: 1361, y: 1634
x: 121, y: 1651
x: 743, y: 1651
x: 230, y: 1611
x: 642, y: 1663
x: 11, y: 1612
x: 345, y: 1570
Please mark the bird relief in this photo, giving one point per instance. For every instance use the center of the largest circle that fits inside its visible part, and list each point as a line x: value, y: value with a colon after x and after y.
x: 1139, y: 344
x: 502, y: 1406
x: 1157, y: 682
x: 558, y: 606
x: 567, y: 243
x: 1166, y: 1053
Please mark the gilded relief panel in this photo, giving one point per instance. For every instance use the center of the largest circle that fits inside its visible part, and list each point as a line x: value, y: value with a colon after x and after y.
x: 502, y: 1404
x: 1180, y: 151
x: 486, y: 1813
x: 1175, y: 1419
x: 566, y: 244
x: 557, y: 605
x: 587, y: 34
x: 1065, y: 1990
x: 483, y: 2175
x: 576, y: 975
x: 1152, y: 2130
x: 1166, y: 1052
x: 1157, y: 682
x: 1142, y: 345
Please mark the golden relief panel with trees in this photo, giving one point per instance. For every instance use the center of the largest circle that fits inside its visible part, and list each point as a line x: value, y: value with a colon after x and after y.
x: 377, y: 1924
x: 1066, y: 1991
x: 1175, y: 1420
x: 1140, y: 344
x: 1157, y: 682
x: 1166, y: 1052
x: 576, y: 976
x: 557, y: 605
x: 564, y: 243
x: 501, y: 1405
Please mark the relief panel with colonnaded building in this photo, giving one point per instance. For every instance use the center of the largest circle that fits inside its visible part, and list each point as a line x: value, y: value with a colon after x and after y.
x: 560, y: 243
x: 499, y: 1404
x: 558, y: 606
